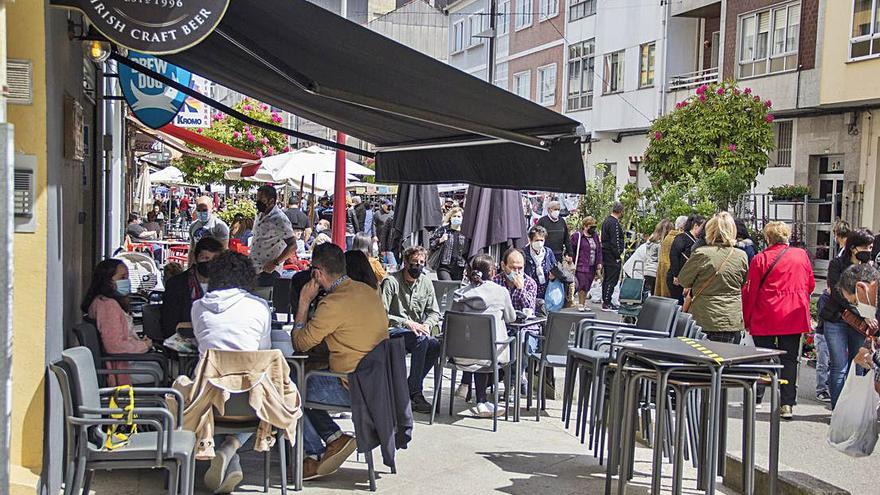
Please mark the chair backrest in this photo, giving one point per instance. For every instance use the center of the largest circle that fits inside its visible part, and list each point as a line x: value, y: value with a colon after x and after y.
x: 238, y: 407
x: 152, y: 320
x: 263, y: 293
x: 87, y: 334
x: 559, y: 332
x: 683, y: 324
x: 469, y: 335
x: 281, y: 289
x: 62, y: 375
x: 658, y: 314
x: 83, y: 378
x: 443, y: 290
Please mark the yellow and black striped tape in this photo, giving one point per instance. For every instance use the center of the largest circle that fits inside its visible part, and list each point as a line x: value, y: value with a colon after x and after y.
x: 700, y: 347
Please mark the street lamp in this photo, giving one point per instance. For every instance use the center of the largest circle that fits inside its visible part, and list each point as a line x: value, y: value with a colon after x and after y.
x: 97, y: 51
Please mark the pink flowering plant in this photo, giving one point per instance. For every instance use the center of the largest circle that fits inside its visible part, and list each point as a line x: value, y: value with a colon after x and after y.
x: 715, y: 143
x: 235, y: 133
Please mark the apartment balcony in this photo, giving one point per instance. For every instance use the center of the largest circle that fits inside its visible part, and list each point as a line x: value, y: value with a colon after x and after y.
x: 696, y: 8
x: 693, y: 79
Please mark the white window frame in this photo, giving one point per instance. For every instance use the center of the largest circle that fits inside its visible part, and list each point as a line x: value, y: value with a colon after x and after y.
x: 652, y: 68
x: 606, y: 73
x: 502, y: 25
x: 480, y: 18
x: 787, y: 153
x: 552, y: 9
x: 581, y: 97
x: 789, y: 57
x: 549, y: 99
x: 527, y: 74
x: 873, y: 36
x: 587, y: 7
x: 458, y: 36
x: 523, y: 14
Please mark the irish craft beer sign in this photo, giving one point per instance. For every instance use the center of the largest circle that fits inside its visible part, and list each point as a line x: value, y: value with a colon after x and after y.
x: 152, y: 26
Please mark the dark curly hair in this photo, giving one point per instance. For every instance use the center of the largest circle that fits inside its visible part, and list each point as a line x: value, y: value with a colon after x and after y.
x: 412, y: 251
x: 231, y: 270
x: 857, y: 238
x: 102, y: 285
x: 855, y: 274
x: 358, y: 268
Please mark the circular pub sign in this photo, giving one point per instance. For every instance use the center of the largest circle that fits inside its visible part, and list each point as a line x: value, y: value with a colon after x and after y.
x: 152, y: 26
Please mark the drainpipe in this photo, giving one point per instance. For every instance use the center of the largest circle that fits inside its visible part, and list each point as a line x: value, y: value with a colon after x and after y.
x: 107, y: 88
x: 667, y: 5
x: 490, y: 63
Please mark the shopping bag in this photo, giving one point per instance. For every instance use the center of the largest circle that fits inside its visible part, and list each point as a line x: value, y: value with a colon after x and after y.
x: 595, y: 293
x: 615, y: 297
x: 554, y: 298
x: 854, y: 420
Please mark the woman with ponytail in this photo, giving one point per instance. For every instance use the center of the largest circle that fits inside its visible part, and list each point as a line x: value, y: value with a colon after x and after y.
x: 483, y: 296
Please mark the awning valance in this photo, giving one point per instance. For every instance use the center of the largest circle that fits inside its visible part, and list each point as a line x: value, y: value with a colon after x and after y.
x: 431, y: 123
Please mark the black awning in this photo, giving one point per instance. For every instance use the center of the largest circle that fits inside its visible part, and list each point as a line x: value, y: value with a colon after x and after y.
x: 317, y: 65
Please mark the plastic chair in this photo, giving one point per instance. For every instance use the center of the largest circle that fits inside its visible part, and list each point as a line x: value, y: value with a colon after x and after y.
x: 167, y: 446
x: 554, y: 350
x: 86, y: 334
x: 281, y: 297
x: 443, y: 290
x: 471, y: 336
x: 152, y: 321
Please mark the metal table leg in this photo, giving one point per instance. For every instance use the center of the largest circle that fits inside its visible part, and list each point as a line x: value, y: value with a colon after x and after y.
x: 714, y: 427
x: 516, y: 391
x: 678, y: 448
x: 774, y: 431
x: 659, y: 432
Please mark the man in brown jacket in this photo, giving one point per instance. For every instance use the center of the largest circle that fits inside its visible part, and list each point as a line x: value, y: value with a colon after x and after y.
x: 352, y: 321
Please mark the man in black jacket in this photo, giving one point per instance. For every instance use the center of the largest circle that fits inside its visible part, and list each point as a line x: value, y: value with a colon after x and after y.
x: 612, y: 250
x: 184, y: 288
x: 558, y: 238
x: 298, y: 219
x: 383, y: 227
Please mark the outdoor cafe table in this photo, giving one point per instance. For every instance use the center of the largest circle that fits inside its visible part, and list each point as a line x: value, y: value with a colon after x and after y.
x: 682, y: 354
x: 516, y: 329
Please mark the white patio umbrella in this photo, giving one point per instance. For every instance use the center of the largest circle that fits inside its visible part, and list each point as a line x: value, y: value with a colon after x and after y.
x: 169, y: 176
x: 144, y: 195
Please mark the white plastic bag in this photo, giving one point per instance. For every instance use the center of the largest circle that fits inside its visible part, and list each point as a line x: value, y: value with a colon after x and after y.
x: 595, y: 293
x: 854, y: 420
x: 554, y: 298
x: 615, y: 297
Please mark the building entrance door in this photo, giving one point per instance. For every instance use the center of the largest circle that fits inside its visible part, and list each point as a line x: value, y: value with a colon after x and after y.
x: 828, y: 190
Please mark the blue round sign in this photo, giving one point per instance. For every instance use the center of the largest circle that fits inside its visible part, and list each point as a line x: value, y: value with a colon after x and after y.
x: 152, y: 102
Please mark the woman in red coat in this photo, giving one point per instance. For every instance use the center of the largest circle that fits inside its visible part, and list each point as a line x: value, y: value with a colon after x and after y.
x: 776, y: 304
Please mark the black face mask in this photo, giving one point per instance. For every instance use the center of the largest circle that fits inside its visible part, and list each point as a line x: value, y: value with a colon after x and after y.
x: 591, y: 231
x: 415, y: 270
x: 262, y: 206
x: 863, y: 256
x: 202, y: 269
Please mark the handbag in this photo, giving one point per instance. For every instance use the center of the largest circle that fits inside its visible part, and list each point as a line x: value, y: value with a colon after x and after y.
x: 119, y: 434
x: 434, y: 259
x: 689, y: 299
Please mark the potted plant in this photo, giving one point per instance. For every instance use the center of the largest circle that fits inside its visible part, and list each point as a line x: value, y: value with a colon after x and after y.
x: 789, y: 192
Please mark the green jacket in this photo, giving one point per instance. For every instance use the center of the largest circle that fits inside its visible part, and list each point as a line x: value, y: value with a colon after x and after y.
x: 416, y: 302
x: 717, y: 307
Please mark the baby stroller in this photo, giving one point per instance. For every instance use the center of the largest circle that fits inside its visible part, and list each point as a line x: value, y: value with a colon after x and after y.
x: 142, y: 271
x: 632, y: 294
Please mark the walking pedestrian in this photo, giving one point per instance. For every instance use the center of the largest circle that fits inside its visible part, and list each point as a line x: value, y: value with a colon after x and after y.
x: 453, y: 245
x: 558, y: 237
x: 273, y: 241
x: 776, y: 304
x: 587, y: 249
x: 540, y: 261
x: 679, y: 253
x: 612, y: 251
x: 715, y: 274
x: 649, y: 254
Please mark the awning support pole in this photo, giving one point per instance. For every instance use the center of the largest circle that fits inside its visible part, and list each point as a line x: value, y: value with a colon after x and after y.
x: 339, y: 210
x: 234, y: 113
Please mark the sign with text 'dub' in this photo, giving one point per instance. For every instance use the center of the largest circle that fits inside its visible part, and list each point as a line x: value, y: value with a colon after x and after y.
x: 152, y: 102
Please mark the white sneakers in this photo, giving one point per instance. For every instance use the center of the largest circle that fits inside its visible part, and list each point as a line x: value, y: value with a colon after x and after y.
x: 488, y: 409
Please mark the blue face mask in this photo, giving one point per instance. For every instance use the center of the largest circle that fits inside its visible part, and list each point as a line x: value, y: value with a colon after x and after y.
x: 123, y: 287
x: 203, y: 216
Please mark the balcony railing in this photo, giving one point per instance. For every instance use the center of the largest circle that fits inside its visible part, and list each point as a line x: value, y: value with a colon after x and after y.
x: 693, y: 79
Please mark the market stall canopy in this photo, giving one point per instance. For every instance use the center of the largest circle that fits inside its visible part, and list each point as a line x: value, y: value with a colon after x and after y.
x: 431, y: 123
x: 296, y: 164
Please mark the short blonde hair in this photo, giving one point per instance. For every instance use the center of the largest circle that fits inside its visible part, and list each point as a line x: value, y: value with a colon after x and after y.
x: 721, y: 230
x: 777, y: 233
x: 451, y: 213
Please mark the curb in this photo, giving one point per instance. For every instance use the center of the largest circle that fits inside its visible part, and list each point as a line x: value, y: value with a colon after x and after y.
x: 790, y: 482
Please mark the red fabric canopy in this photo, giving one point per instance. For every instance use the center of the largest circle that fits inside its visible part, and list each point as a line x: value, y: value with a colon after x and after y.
x: 214, y: 146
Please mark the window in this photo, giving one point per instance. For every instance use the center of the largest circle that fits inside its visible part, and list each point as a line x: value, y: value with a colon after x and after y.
x: 547, y: 85
x: 501, y: 75
x: 613, y: 81
x: 865, y: 38
x: 475, y: 23
x: 581, y: 59
x: 783, y: 144
x: 580, y: 9
x: 523, y: 13
x: 769, y: 40
x: 458, y: 36
x: 549, y: 9
x: 646, y: 65
x: 716, y: 45
x: 503, y: 23
x: 522, y: 84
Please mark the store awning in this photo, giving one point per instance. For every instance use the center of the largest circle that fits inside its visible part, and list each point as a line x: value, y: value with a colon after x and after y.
x: 430, y: 122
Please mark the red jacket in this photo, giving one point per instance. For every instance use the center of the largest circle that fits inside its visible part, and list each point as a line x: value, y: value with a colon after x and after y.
x: 782, y: 305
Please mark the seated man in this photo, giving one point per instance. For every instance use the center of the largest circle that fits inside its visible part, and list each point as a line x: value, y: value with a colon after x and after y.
x: 350, y: 319
x: 230, y: 318
x: 413, y: 313
x: 185, y: 288
x: 140, y: 235
x: 523, y: 293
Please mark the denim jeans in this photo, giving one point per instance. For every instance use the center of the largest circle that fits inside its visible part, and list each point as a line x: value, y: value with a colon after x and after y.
x: 318, y: 426
x: 821, y: 364
x: 843, y: 345
x: 425, y: 351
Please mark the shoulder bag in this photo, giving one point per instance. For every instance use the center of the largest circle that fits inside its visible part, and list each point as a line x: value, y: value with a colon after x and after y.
x: 689, y: 299
x: 772, y: 266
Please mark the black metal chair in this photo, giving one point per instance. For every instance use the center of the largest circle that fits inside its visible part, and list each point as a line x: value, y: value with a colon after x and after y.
x: 166, y: 446
x: 86, y: 335
x: 152, y: 322
x: 471, y: 336
x: 281, y: 298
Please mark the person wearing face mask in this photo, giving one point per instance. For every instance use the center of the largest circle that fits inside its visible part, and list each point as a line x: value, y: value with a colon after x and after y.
x: 587, y: 249
x: 384, y: 228
x: 842, y: 339
x: 106, y: 303
x: 539, y: 261
x: 776, y: 304
x: 322, y: 227
x: 185, y: 288
x: 612, y: 251
x: 453, y: 245
x: 680, y: 252
x: 207, y: 224
x: 558, y: 238
x: 414, y: 315
x: 859, y: 285
x: 351, y: 320
x: 273, y: 241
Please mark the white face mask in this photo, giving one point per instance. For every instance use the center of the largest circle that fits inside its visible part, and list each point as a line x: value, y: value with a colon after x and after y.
x: 554, y: 215
x: 537, y: 246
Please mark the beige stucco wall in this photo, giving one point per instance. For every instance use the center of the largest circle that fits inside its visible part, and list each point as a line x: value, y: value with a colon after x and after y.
x: 843, y: 81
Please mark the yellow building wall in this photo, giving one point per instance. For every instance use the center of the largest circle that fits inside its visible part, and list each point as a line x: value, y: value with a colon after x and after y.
x: 26, y: 39
x: 844, y: 81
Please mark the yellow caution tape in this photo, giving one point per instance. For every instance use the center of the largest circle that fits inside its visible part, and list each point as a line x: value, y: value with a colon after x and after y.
x: 700, y: 347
